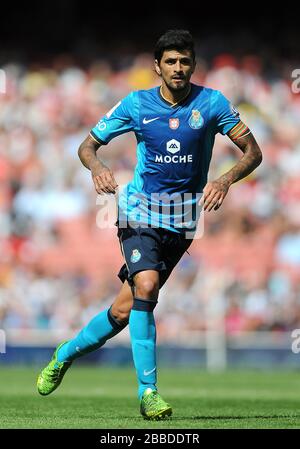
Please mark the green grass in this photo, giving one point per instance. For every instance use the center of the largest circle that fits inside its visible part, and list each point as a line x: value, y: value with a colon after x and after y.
x: 97, y: 397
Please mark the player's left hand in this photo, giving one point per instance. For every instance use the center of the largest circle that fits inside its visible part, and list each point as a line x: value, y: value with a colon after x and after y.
x: 213, y: 194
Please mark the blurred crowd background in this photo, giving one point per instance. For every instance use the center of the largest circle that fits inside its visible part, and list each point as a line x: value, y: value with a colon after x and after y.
x: 58, y: 269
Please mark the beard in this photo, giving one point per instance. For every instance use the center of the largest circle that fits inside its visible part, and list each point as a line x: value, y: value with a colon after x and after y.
x: 178, y: 86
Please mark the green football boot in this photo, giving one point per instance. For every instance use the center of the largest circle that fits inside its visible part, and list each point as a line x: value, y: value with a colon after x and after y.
x: 153, y: 406
x: 52, y: 375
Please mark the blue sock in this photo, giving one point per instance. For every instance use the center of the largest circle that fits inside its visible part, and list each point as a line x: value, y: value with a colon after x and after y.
x: 102, y: 327
x: 143, y: 341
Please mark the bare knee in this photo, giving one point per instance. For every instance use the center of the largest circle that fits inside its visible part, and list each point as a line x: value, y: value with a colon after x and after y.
x: 146, y: 286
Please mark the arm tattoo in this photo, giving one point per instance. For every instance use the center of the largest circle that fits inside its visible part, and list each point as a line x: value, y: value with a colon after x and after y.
x: 87, y: 152
x: 250, y: 161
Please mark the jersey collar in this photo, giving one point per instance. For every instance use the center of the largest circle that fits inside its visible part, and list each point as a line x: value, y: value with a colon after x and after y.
x: 180, y: 103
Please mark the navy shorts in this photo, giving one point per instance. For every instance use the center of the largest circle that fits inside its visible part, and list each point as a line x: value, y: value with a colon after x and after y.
x: 150, y: 249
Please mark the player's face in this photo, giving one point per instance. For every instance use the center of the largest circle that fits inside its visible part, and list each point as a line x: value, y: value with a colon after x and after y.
x: 175, y: 68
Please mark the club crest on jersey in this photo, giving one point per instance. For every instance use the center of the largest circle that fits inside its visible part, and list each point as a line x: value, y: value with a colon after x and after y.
x: 135, y: 256
x: 196, y: 120
x: 174, y: 123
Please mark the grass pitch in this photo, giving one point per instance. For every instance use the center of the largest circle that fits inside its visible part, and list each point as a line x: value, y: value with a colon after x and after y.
x: 97, y: 397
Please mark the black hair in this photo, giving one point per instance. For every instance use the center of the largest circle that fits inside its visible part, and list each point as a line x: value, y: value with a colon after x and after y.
x: 174, y: 40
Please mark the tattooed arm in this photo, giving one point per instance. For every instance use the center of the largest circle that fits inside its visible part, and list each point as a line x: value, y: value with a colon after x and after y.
x: 102, y: 176
x: 214, y: 192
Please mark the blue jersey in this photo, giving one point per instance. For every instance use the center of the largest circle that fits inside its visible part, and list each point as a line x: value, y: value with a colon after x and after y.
x: 174, y: 149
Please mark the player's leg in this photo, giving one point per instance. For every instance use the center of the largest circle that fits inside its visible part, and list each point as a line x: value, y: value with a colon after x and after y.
x: 121, y: 307
x: 172, y: 247
x: 102, y: 327
x: 143, y: 340
x: 142, y: 328
x: 141, y: 248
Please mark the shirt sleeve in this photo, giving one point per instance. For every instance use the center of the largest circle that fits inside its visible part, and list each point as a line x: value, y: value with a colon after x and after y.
x: 225, y: 114
x: 119, y: 120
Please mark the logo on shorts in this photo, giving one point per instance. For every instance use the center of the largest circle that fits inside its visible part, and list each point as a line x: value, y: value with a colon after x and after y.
x: 196, y: 120
x: 135, y: 256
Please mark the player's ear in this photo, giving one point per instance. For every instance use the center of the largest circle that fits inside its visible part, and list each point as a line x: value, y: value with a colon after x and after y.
x: 157, y: 68
x: 194, y: 65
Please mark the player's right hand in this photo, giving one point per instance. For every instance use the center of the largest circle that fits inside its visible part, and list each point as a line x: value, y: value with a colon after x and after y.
x: 104, y: 180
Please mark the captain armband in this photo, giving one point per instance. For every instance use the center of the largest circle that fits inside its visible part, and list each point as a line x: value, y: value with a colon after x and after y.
x: 238, y: 131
